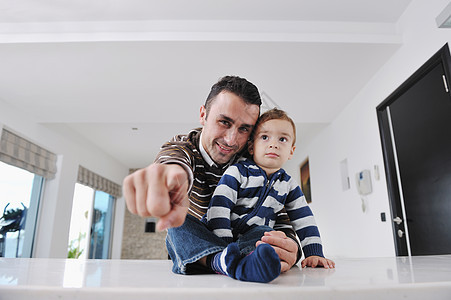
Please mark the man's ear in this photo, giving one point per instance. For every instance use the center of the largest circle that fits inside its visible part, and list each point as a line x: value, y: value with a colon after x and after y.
x: 202, y: 115
x: 250, y: 147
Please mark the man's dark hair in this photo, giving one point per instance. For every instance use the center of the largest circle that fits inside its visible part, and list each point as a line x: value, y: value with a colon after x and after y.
x: 237, y: 85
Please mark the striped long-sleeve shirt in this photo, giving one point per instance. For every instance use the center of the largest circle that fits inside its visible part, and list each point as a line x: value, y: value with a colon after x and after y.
x: 245, y: 197
x: 184, y: 150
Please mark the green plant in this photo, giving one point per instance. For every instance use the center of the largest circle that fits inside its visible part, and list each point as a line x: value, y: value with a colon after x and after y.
x: 15, y: 214
x: 74, y: 246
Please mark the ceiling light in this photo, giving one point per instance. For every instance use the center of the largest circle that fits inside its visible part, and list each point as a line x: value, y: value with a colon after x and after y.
x: 444, y: 19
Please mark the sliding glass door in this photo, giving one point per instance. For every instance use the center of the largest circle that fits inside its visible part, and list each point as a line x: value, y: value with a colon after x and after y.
x: 20, y: 193
x: 101, y: 226
x: 91, y: 223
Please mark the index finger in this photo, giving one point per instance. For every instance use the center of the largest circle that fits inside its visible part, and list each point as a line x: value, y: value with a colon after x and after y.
x: 275, y: 233
x: 281, y: 242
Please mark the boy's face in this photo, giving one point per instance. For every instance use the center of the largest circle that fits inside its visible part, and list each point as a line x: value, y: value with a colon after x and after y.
x: 272, y: 145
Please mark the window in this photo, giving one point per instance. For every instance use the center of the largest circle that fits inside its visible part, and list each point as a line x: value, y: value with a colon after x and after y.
x: 20, y: 192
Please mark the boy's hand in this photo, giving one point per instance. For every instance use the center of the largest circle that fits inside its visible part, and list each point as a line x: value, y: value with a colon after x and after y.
x: 314, y: 261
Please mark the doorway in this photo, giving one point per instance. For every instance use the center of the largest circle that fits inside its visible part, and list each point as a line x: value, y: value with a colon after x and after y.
x: 415, y: 128
x: 20, y: 194
x: 91, y: 223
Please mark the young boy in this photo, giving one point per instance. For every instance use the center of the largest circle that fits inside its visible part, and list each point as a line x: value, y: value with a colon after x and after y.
x: 249, y: 197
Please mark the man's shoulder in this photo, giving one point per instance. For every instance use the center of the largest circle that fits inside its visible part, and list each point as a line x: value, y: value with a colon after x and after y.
x: 187, y: 142
x: 181, y: 147
x: 192, y: 137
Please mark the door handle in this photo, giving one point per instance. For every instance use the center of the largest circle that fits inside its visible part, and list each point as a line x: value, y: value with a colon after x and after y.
x: 397, y: 220
x: 400, y: 233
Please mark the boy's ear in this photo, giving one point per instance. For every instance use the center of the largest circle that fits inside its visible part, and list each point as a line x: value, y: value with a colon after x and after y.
x: 292, y: 151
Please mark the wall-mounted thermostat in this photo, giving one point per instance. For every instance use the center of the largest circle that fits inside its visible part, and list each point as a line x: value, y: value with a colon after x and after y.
x: 363, y: 182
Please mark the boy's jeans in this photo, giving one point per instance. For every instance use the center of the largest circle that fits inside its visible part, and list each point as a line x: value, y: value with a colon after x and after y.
x: 193, y: 240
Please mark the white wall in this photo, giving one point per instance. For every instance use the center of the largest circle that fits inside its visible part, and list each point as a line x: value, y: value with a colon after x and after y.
x: 347, y: 231
x: 56, y: 205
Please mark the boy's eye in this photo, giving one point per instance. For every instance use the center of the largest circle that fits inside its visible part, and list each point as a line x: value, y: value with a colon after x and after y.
x: 283, y: 139
x: 264, y: 137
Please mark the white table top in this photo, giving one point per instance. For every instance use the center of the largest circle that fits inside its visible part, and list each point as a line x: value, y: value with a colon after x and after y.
x: 420, y: 277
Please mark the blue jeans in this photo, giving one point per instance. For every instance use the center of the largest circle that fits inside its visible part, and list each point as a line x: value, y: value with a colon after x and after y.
x: 193, y: 240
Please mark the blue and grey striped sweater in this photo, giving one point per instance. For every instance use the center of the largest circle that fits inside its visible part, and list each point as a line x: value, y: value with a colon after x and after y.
x: 245, y: 197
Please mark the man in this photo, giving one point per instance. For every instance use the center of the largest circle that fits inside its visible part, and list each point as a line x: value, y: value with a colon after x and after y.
x: 177, y: 188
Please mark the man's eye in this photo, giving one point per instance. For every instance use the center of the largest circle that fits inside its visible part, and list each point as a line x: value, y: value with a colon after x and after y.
x: 224, y: 122
x: 244, y: 129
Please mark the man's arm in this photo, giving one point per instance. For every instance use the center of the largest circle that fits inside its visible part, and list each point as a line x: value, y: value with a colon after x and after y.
x: 160, y: 190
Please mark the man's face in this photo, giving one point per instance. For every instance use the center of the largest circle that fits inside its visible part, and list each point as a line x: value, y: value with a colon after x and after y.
x: 227, y: 127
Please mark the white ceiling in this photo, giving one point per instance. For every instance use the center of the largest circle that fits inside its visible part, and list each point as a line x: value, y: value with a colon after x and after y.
x: 99, y: 68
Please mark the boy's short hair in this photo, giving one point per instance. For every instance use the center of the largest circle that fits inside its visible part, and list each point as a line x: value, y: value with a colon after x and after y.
x: 276, y: 114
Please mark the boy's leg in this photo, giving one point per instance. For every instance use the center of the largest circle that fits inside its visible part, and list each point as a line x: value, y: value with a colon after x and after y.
x: 259, y: 264
x: 247, y: 241
x: 189, y: 243
x: 192, y: 241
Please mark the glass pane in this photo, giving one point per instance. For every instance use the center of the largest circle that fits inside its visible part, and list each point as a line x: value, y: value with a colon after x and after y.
x: 80, y: 222
x: 19, y: 199
x: 101, y: 225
